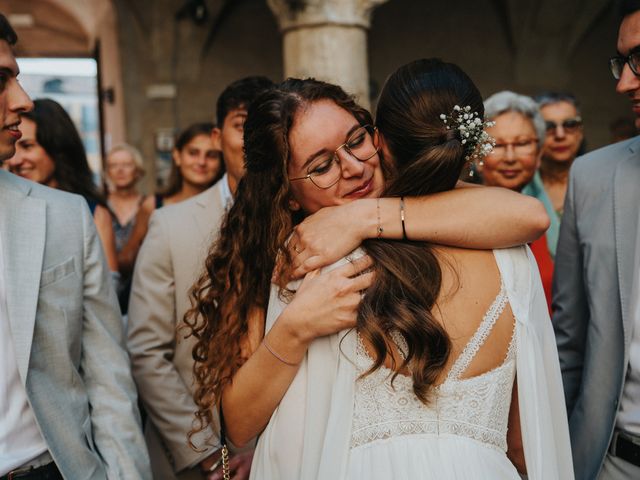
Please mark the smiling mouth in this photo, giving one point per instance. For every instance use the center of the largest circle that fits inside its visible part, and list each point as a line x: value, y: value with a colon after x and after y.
x: 362, y: 189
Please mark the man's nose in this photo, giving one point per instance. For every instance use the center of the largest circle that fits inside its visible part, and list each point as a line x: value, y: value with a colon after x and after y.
x: 628, y: 81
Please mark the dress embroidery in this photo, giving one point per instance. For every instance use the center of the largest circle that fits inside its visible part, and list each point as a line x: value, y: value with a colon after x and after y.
x: 476, y: 407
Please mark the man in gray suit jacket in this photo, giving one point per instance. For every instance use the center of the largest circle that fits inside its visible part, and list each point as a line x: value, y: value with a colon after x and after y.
x: 170, y: 261
x: 67, y: 400
x: 597, y: 291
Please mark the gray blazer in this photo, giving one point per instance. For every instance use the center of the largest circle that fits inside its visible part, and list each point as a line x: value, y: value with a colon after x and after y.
x: 592, y: 289
x: 170, y: 261
x: 67, y: 333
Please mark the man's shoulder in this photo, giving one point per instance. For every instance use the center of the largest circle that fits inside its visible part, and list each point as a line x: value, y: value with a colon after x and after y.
x: 177, y: 212
x: 55, y: 199
x: 604, y: 160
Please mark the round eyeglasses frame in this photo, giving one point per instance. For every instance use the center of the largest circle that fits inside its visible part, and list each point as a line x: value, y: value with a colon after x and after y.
x: 370, y: 129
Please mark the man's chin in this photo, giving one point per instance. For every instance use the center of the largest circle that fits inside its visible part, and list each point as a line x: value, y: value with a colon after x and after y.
x: 6, y: 152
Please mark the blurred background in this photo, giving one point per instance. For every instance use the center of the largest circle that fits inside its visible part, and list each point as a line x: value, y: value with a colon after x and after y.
x: 141, y: 70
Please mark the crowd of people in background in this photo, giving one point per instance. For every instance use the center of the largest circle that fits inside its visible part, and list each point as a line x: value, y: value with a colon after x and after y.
x: 318, y: 292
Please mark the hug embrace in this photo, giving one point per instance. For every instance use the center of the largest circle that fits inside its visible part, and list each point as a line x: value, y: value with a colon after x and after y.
x: 393, y: 334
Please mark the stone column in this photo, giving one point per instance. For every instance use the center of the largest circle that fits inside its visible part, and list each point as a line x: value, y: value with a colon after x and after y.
x: 327, y: 40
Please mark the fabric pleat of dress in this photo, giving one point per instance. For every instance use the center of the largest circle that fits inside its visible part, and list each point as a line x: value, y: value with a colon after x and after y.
x: 331, y: 424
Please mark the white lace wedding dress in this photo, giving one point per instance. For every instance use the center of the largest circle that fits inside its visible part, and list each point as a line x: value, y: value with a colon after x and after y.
x: 331, y: 425
x: 461, y: 434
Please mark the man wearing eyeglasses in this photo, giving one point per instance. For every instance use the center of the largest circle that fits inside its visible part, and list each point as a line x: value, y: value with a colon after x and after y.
x: 597, y: 289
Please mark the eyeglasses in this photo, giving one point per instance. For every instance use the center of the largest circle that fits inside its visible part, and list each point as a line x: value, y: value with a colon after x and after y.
x: 325, y: 169
x: 570, y: 125
x: 520, y: 147
x: 616, y: 64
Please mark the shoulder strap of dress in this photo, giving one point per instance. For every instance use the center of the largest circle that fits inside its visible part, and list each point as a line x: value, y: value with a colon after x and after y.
x: 480, y: 336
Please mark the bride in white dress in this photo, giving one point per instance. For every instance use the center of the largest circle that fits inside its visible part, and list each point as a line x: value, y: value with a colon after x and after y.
x: 424, y: 387
x: 340, y: 421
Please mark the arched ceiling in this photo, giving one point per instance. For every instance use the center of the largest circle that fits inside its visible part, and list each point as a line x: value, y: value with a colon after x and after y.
x: 56, y: 27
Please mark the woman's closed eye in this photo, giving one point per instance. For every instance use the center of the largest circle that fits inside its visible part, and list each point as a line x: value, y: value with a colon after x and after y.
x: 357, y: 141
x: 322, y: 166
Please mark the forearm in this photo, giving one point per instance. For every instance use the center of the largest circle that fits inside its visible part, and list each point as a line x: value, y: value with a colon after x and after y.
x: 465, y: 217
x: 127, y: 256
x: 261, y: 383
x: 102, y: 220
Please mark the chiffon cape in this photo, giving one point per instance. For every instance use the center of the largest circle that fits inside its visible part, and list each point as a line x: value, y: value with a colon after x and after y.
x: 308, y: 436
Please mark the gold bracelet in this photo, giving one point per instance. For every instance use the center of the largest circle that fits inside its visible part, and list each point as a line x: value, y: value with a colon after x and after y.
x: 380, y: 229
x: 268, y: 347
x: 404, y: 230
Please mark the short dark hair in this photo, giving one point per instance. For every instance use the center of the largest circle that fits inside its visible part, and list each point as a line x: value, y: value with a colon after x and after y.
x: 627, y: 7
x: 548, y: 98
x: 240, y: 94
x: 7, y: 33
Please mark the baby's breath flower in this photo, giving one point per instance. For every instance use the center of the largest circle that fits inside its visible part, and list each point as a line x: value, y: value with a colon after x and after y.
x: 470, y: 126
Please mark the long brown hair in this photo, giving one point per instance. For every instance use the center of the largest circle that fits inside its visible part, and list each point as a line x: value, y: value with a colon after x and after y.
x: 428, y: 158
x: 236, y: 281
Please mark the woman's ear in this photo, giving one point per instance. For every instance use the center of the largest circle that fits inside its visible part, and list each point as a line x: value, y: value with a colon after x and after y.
x: 216, y: 135
x: 294, y: 206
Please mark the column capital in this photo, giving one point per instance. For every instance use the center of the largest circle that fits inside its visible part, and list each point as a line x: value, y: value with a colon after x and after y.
x: 294, y: 14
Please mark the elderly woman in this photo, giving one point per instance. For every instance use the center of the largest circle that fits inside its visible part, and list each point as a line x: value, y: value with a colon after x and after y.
x: 563, y: 142
x: 519, y: 132
x: 124, y: 171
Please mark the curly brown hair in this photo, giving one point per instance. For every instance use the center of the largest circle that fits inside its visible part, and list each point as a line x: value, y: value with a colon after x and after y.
x: 236, y: 282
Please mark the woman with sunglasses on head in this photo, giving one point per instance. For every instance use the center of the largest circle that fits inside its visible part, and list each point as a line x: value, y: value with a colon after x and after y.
x: 563, y: 142
x: 308, y: 146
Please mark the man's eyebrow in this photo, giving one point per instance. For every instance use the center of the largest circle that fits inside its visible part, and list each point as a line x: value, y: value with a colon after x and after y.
x: 313, y: 156
x: 635, y: 49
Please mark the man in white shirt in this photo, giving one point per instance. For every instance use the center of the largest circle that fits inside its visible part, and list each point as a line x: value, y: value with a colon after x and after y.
x: 67, y: 401
x: 170, y: 261
x: 597, y: 290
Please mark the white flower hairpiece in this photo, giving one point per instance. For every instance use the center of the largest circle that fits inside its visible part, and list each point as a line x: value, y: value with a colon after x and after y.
x: 471, y: 129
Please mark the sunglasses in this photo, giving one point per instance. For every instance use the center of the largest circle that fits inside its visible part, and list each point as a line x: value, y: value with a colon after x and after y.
x: 616, y: 64
x: 569, y: 125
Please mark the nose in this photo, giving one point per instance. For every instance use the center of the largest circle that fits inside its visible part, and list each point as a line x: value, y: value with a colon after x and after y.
x: 510, y: 153
x: 559, y: 131
x: 19, y: 100
x: 350, y: 166
x: 628, y: 82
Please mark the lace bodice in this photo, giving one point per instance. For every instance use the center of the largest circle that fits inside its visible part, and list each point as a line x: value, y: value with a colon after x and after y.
x: 476, y: 407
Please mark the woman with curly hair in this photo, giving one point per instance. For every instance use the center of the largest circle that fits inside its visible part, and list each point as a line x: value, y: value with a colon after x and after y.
x: 309, y: 146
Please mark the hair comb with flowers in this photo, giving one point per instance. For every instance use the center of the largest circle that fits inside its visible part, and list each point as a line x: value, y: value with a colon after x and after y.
x: 477, y: 142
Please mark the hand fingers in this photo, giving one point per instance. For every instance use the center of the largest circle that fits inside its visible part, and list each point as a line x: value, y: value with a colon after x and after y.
x: 362, y: 282
x: 310, y: 276
x: 355, y: 267
x: 300, y: 269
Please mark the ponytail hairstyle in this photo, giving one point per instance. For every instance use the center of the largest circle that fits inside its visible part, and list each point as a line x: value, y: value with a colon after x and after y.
x: 234, y: 288
x: 427, y: 158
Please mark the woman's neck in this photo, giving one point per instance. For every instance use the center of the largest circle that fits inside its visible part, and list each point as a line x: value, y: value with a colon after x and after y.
x: 554, y: 172
x: 125, y: 193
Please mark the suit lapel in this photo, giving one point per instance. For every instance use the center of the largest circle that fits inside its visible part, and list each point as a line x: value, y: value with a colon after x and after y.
x: 210, y: 205
x: 23, y: 228
x: 626, y: 206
